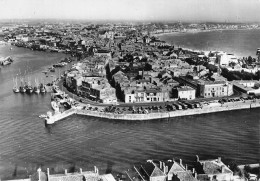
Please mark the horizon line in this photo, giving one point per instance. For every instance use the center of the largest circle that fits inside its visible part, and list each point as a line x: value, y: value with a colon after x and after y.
x: 125, y: 20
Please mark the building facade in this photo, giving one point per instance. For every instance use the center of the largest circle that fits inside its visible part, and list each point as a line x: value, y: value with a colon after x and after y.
x: 184, y: 92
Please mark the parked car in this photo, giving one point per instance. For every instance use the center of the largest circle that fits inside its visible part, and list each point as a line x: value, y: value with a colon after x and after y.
x: 190, y: 105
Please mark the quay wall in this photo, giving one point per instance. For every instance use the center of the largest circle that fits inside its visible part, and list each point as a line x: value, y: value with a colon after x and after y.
x: 159, y: 115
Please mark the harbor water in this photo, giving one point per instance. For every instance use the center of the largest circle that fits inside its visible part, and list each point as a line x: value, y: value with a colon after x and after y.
x: 111, y: 145
x: 242, y: 43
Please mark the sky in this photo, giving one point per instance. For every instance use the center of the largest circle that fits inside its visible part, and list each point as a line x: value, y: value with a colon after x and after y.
x: 140, y: 10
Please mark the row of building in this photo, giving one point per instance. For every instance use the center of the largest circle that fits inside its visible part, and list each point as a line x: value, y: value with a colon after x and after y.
x: 66, y: 176
x: 173, y: 170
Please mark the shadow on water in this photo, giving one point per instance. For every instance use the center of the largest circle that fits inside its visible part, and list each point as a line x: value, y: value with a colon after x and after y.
x: 109, y: 168
x: 72, y: 169
x: 15, y: 171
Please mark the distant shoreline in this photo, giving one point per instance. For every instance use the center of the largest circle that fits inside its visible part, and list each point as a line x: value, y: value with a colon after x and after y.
x: 237, y: 52
x: 198, y: 31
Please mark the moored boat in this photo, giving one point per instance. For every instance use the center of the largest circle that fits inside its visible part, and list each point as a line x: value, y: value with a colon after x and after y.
x: 29, y: 88
x: 15, y: 88
x: 36, y: 88
x: 22, y: 89
x: 42, y: 88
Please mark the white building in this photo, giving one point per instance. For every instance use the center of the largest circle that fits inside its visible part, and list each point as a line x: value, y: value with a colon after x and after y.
x: 184, y: 92
x: 224, y: 59
x: 247, y: 86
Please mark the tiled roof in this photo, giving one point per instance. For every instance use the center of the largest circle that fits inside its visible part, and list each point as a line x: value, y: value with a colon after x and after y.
x: 175, y: 168
x: 185, y: 176
x: 35, y: 176
x: 74, y: 177
x: 157, y: 172
x: 148, y: 168
x: 214, y: 167
x: 66, y: 178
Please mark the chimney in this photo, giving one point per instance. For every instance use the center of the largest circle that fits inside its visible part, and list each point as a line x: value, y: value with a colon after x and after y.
x: 198, y: 159
x: 39, y: 174
x: 160, y: 164
x: 222, y: 168
x: 80, y: 170
x: 95, y: 169
x: 181, y: 162
x: 219, y: 159
x: 65, y: 171
x: 195, y: 175
x: 48, y: 172
x: 186, y: 167
x: 193, y: 170
x: 166, y: 169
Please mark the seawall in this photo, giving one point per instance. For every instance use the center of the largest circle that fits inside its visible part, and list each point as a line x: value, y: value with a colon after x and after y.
x: 159, y: 115
x: 178, y: 113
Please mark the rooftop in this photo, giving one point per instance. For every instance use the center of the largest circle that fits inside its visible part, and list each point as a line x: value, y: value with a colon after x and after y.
x: 215, y: 166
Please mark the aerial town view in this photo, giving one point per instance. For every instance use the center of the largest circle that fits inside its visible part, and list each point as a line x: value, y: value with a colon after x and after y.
x: 125, y: 90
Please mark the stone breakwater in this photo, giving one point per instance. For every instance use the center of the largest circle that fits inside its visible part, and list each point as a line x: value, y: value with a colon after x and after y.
x: 160, y: 115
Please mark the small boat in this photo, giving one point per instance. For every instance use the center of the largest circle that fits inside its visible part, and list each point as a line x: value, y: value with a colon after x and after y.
x: 6, y: 63
x: 22, y: 89
x: 43, y: 116
x: 42, y: 88
x: 15, y: 88
x: 29, y: 88
x: 22, y: 86
x: 36, y: 90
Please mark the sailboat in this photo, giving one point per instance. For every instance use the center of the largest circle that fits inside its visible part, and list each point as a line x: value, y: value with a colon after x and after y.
x: 42, y: 88
x: 29, y: 88
x: 22, y: 87
x: 15, y: 88
x: 36, y: 89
